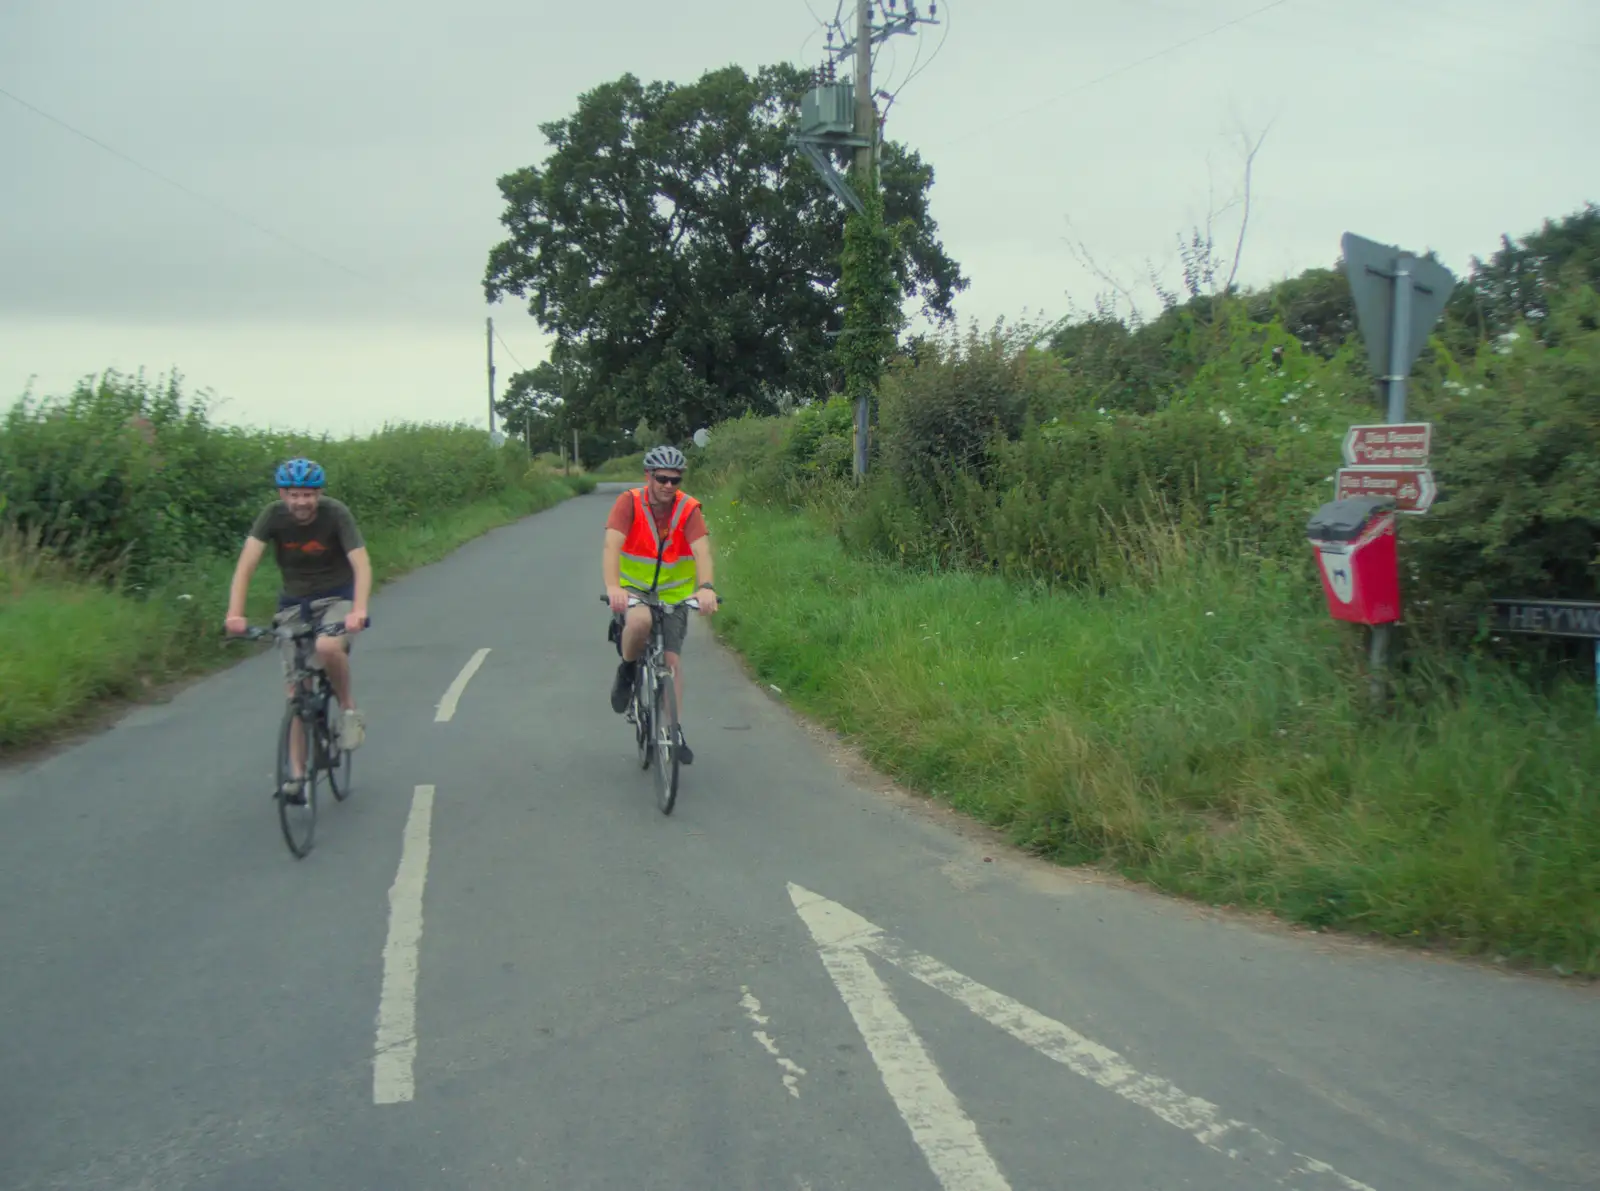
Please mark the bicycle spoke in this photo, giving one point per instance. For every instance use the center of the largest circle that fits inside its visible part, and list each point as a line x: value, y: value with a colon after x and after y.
x: 298, y: 819
x: 338, y: 759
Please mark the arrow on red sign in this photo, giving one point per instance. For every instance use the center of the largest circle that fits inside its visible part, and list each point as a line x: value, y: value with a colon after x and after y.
x: 1411, y: 488
x: 1401, y: 444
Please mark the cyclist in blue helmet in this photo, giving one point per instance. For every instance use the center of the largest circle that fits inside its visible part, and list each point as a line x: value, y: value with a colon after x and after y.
x: 326, y: 577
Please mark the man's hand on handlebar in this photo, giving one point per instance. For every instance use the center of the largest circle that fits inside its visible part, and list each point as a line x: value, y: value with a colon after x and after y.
x: 620, y: 599
x: 239, y: 627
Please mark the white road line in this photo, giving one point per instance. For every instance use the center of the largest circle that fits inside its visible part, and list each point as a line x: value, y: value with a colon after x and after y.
x: 838, y: 929
x: 396, y: 1050
x: 447, y: 706
x: 792, y: 1071
x: 938, y: 1124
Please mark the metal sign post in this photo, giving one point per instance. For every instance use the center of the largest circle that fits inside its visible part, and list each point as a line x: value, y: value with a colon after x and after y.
x: 1398, y: 298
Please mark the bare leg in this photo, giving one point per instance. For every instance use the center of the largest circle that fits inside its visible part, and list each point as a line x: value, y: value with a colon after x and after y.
x: 297, y: 740
x: 635, y: 633
x: 331, y: 653
x: 335, y: 658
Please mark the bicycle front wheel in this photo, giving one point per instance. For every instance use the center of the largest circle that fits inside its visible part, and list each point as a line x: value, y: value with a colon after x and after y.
x: 334, y: 758
x: 664, y: 731
x: 298, y: 820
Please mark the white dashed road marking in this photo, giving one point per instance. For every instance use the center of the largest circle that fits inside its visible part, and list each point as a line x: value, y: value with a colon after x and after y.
x: 396, y: 1049
x: 792, y: 1071
x: 447, y: 706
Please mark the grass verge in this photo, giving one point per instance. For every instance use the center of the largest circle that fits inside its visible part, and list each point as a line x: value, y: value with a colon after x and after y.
x: 71, y: 648
x: 1200, y: 730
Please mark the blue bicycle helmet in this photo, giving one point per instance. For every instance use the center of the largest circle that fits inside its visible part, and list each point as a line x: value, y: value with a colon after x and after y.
x: 300, y: 473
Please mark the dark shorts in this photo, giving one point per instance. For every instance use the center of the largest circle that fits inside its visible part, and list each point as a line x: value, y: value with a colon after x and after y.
x: 673, y: 629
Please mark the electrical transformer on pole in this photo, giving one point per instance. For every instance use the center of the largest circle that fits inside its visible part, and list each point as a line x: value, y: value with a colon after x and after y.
x: 841, y: 116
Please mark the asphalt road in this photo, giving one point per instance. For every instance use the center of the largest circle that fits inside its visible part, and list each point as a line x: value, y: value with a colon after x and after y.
x: 502, y: 967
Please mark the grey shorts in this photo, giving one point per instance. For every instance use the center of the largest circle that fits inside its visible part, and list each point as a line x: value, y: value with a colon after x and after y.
x: 673, y: 630
x: 329, y: 611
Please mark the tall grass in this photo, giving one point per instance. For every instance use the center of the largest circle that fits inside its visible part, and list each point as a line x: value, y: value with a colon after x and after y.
x: 122, y: 509
x: 1198, y: 726
x: 70, y: 644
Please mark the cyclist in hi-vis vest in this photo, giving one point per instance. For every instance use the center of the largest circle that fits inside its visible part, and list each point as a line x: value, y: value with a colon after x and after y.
x: 656, y: 540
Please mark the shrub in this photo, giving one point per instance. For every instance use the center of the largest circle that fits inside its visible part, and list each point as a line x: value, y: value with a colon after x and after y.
x: 132, y: 476
x: 1517, y: 459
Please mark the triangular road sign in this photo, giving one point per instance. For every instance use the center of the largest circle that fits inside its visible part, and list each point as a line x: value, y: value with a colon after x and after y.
x: 1370, y: 268
x: 948, y: 1138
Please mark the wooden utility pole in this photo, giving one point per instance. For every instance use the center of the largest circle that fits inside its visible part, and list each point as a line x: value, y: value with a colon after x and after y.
x: 488, y: 335
x: 866, y: 130
x: 866, y: 116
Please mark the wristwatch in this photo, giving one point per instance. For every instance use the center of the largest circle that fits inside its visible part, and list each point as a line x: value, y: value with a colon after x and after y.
x: 705, y: 587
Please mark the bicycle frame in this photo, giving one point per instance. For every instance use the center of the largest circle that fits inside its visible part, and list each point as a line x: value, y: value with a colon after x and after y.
x: 305, y: 715
x: 312, y: 695
x: 653, y: 661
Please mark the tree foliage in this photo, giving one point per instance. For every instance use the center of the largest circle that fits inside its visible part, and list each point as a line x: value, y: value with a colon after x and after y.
x: 1231, y: 408
x: 687, y: 259
x: 1516, y: 283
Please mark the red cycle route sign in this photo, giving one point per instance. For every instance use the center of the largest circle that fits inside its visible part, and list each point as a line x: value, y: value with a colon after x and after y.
x: 1411, y: 488
x: 1401, y: 444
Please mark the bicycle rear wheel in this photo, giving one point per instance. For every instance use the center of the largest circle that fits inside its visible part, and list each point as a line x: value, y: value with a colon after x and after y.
x: 334, y: 759
x: 664, y: 732
x: 299, y: 822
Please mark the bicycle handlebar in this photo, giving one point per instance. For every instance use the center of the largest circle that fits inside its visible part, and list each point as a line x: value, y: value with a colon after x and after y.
x: 640, y: 597
x: 258, y: 632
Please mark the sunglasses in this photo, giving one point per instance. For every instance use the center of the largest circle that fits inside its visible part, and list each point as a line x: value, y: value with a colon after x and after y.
x: 668, y: 480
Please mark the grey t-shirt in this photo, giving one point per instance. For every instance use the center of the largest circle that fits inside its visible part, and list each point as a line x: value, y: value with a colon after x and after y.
x: 313, y: 558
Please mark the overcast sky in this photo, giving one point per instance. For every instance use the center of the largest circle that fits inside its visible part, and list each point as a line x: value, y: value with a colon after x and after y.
x: 367, y: 138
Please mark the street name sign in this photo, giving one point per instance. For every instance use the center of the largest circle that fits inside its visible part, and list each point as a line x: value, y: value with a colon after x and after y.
x: 1548, y: 618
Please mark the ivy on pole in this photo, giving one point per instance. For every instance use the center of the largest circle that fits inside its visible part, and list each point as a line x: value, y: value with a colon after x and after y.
x: 872, y: 313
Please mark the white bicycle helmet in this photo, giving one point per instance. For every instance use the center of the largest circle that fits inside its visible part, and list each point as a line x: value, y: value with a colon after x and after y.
x: 664, y: 456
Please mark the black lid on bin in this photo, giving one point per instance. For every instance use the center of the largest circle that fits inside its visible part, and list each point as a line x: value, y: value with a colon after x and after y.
x: 1346, y: 520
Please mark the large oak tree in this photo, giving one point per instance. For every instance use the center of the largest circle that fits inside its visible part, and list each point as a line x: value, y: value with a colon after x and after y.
x: 686, y: 257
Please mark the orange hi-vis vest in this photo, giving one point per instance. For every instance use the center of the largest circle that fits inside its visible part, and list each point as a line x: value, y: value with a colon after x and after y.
x: 642, y: 549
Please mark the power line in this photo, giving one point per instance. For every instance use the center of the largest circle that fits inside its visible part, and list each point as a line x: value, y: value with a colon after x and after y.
x: 1148, y: 58
x: 197, y: 195
x: 387, y: 287
x: 915, y: 70
x: 509, y: 352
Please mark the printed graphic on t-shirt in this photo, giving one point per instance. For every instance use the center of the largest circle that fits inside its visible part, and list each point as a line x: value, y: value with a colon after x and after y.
x: 314, y: 558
